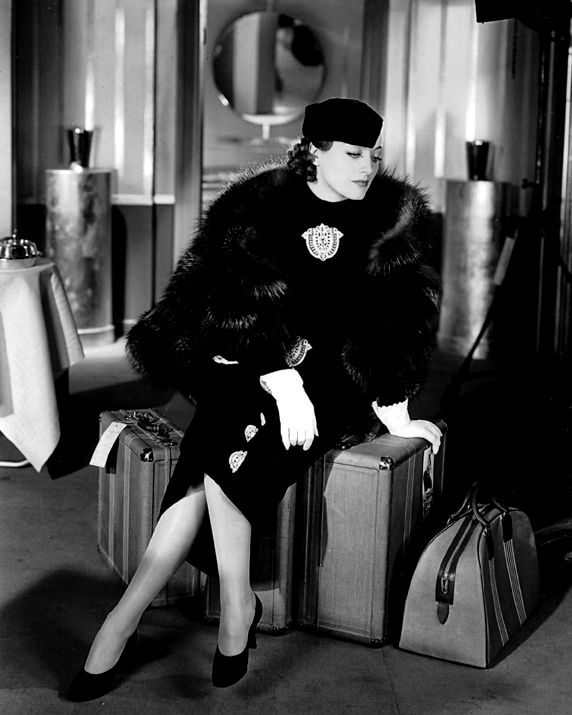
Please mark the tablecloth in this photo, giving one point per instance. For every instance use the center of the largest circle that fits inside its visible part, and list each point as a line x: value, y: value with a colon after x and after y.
x: 38, y: 341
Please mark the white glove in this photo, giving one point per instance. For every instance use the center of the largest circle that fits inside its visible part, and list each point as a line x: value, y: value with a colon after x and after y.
x: 296, y: 411
x: 398, y: 422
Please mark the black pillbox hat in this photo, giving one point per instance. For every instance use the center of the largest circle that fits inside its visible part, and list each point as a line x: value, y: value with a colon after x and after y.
x: 343, y: 120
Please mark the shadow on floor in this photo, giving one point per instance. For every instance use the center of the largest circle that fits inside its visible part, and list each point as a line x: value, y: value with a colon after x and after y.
x: 52, y: 623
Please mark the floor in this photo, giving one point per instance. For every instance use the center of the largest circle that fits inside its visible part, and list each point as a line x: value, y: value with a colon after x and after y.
x: 55, y: 588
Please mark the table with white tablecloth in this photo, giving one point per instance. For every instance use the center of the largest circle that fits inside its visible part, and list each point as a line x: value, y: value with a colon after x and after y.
x: 38, y: 342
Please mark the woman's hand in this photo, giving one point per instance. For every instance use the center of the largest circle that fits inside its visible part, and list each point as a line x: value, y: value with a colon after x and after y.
x: 398, y: 422
x: 297, y: 418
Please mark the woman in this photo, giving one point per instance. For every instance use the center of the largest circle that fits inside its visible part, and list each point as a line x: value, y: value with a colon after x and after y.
x: 301, y: 310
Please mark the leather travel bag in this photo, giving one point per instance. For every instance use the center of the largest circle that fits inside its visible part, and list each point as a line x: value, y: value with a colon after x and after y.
x: 475, y: 584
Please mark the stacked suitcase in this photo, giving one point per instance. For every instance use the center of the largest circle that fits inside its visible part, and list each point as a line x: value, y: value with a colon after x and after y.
x: 131, y: 488
x: 344, y: 545
x: 366, y: 514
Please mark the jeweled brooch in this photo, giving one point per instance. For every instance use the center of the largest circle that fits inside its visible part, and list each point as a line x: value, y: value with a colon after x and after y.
x: 322, y: 241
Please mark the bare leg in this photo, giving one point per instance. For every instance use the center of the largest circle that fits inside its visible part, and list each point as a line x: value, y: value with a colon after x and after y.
x: 167, y: 549
x: 231, y: 535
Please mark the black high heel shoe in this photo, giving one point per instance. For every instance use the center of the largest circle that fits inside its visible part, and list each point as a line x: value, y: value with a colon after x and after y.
x: 90, y: 686
x: 229, y: 669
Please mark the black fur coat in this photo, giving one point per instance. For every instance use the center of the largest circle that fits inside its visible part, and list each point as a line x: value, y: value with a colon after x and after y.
x: 229, y: 292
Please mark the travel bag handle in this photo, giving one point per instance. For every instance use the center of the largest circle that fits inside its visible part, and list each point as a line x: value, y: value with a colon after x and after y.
x: 466, y: 504
x: 472, y: 514
x: 470, y: 504
x: 505, y: 520
x: 492, y: 500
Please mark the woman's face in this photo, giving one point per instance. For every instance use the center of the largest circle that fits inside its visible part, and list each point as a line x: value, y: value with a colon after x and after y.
x: 345, y: 171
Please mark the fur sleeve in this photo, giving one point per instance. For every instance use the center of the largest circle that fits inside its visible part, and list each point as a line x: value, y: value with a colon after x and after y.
x: 389, y: 350
x: 392, y: 336
x: 223, y: 299
x: 244, y: 316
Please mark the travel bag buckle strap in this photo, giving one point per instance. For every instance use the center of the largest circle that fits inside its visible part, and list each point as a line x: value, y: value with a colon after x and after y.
x: 445, y: 585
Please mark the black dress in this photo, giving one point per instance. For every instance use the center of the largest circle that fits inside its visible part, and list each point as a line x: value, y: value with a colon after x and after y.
x: 235, y: 434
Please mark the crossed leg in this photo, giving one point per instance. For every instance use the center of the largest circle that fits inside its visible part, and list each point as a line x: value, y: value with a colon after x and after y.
x: 231, y: 534
x: 169, y: 545
x: 166, y: 551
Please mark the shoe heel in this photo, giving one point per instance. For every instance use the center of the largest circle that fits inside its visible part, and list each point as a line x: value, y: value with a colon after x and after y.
x: 229, y: 669
x: 252, y: 630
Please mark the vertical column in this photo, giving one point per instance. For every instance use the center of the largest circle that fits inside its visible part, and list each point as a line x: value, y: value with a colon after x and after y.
x: 471, y: 244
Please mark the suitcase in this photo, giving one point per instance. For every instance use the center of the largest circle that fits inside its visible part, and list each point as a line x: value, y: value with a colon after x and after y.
x: 271, y: 571
x: 367, y: 513
x: 474, y: 586
x: 131, y: 488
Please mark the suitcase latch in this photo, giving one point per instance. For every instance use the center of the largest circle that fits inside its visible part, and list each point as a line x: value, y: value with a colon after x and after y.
x: 146, y: 455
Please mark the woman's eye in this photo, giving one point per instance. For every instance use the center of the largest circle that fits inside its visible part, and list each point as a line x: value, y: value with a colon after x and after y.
x: 376, y: 158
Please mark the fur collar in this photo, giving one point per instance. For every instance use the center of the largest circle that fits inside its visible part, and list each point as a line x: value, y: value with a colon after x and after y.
x: 396, y: 212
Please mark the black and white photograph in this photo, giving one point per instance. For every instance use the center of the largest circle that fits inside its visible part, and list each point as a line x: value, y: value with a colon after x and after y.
x: 286, y: 356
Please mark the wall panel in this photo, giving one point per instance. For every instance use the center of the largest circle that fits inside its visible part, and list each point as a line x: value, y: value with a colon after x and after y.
x: 39, y: 95
x: 110, y: 66
x: 166, y: 101
x: 424, y: 96
x: 75, y: 48
x: 104, y: 70
x: 450, y: 79
x: 136, y: 168
x: 5, y: 118
x: 459, y: 77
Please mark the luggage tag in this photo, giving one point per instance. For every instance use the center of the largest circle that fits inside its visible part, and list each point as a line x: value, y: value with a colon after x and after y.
x: 105, y: 444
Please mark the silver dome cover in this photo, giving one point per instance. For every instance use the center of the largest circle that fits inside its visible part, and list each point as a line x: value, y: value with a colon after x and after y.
x: 20, y: 250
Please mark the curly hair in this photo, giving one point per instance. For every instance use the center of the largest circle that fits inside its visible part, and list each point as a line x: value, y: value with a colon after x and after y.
x: 301, y: 159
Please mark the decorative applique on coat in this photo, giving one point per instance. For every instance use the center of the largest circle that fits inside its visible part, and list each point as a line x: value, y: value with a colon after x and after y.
x: 229, y: 294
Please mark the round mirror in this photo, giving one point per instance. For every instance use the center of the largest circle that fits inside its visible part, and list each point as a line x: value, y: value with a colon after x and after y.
x: 268, y: 66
